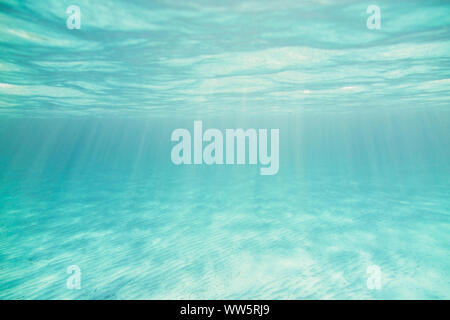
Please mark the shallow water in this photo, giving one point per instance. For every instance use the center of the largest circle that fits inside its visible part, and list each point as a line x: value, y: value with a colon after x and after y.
x: 86, y: 177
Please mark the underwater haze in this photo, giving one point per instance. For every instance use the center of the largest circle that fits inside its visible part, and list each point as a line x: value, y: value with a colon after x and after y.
x: 86, y: 177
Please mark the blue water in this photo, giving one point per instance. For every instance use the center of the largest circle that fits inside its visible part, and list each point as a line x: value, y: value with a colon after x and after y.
x: 86, y: 177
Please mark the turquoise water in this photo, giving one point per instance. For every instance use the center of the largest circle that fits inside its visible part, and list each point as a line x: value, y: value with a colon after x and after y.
x: 86, y: 177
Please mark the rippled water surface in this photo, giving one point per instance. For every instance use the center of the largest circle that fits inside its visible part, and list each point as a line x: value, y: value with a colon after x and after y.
x: 205, y: 57
x: 86, y: 177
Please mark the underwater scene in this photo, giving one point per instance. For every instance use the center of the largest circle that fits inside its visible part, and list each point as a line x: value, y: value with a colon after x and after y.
x: 252, y: 149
